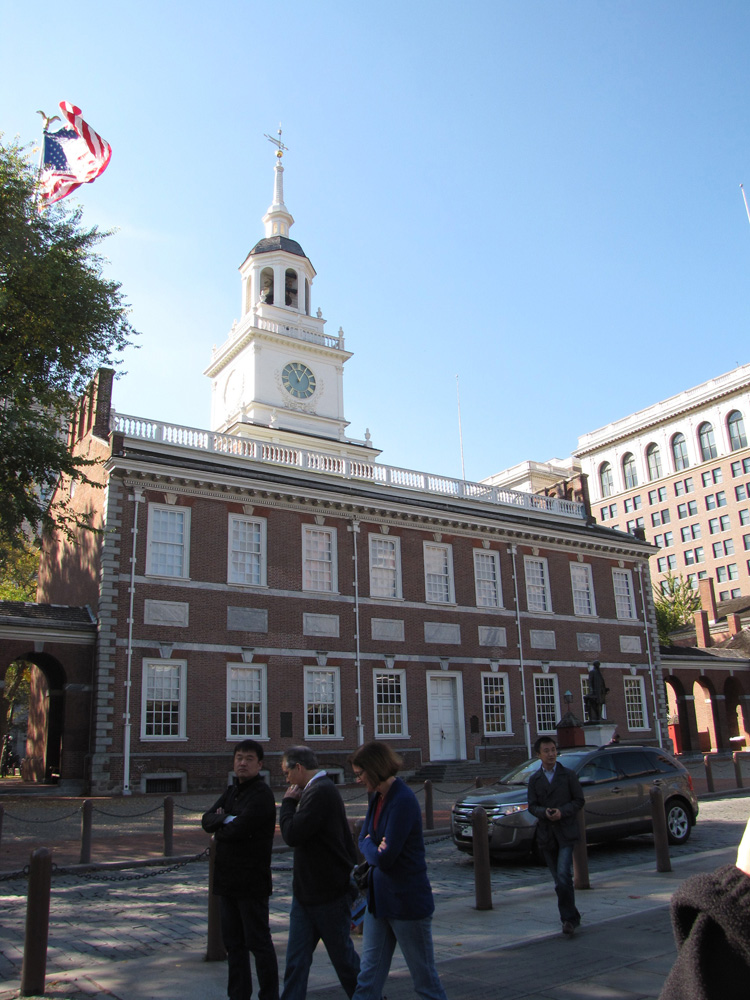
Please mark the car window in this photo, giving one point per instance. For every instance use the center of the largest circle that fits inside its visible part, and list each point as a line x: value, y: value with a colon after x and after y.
x: 665, y: 764
x: 634, y: 762
x: 599, y: 769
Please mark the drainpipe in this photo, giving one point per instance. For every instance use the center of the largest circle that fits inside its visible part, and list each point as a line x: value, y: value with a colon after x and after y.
x: 651, y: 669
x: 137, y: 498
x: 526, y: 728
x: 354, y: 528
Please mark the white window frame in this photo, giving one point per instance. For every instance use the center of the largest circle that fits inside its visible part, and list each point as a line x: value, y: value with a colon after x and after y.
x: 308, y: 531
x: 626, y: 576
x: 331, y: 676
x: 434, y: 573
x: 538, y: 597
x: 585, y: 689
x: 376, y: 539
x: 500, y: 681
x: 583, y: 591
x: 635, y: 684
x: 179, y: 669
x: 387, y: 734
x: 151, y: 542
x: 233, y: 576
x: 483, y: 582
x: 549, y: 681
x: 259, y: 672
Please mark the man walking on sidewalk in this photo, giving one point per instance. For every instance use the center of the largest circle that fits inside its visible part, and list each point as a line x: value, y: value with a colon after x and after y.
x: 313, y: 821
x: 555, y: 797
x: 243, y: 822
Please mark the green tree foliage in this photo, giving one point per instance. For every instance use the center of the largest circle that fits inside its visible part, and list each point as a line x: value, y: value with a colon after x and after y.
x: 16, y: 690
x: 19, y: 564
x: 60, y: 320
x: 674, y: 602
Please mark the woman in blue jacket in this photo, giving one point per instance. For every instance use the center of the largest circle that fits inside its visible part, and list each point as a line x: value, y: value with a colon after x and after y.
x: 400, y: 905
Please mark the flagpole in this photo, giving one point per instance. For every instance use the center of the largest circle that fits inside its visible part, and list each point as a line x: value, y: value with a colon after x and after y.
x: 745, y: 200
x: 460, y: 432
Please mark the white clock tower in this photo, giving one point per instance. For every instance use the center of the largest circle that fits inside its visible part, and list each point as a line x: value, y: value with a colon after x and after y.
x: 279, y: 376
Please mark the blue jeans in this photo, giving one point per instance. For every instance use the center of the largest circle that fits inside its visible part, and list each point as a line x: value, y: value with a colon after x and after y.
x: 559, y: 858
x: 308, y: 924
x: 414, y: 938
x: 244, y: 929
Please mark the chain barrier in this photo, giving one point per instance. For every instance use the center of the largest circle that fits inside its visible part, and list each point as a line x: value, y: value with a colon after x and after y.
x: 190, y: 809
x: 146, y: 812
x: 98, y: 876
x: 55, y: 819
x: 11, y: 876
x: 461, y: 791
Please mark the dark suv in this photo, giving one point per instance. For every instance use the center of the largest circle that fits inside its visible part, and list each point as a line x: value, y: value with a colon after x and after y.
x: 615, y: 781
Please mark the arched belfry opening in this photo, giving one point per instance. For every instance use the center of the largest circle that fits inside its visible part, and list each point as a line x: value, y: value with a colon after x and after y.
x: 290, y: 288
x: 266, y: 285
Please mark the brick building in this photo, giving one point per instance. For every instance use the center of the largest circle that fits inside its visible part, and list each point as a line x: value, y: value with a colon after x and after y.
x: 267, y: 577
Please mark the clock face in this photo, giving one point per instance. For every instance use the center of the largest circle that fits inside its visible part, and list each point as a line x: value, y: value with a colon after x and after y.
x: 298, y: 380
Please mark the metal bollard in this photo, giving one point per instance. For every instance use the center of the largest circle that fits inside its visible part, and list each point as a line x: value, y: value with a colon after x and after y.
x: 481, y: 847
x: 736, y: 757
x: 168, y: 826
x: 659, y: 820
x: 429, y: 812
x: 34, y: 968
x: 87, y: 812
x: 215, y: 951
x: 709, y: 773
x: 581, y: 856
x: 478, y: 783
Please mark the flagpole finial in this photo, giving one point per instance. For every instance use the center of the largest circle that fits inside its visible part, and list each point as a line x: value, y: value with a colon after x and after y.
x: 48, y: 120
x: 280, y: 147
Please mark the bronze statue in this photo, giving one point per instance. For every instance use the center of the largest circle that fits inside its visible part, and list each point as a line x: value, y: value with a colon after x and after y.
x: 597, y: 695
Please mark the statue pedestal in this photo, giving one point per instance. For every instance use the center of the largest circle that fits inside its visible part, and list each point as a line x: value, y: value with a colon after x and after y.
x: 598, y: 734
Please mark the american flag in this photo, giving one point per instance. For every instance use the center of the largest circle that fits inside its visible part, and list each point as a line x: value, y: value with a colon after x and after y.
x: 72, y: 156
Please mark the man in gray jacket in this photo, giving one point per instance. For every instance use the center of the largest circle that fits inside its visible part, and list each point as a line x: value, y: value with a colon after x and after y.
x: 555, y: 797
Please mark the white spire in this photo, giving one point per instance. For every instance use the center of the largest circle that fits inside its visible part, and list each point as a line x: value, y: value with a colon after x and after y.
x: 278, y: 219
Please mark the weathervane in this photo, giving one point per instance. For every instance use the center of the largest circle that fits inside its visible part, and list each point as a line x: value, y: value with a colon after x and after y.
x: 280, y: 147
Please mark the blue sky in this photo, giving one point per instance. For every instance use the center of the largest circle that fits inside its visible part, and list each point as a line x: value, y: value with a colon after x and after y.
x: 541, y: 197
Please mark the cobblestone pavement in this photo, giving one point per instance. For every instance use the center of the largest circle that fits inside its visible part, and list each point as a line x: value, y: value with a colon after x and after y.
x: 118, y: 916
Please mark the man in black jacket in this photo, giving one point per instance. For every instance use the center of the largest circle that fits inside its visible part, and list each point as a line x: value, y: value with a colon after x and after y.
x: 313, y: 821
x: 243, y: 822
x: 555, y: 797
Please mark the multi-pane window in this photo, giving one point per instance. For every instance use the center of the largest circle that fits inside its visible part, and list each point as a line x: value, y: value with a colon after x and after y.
x: 319, y: 568
x: 660, y: 517
x: 683, y: 486
x: 746, y: 541
x: 707, y: 442
x: 438, y: 573
x: 690, y: 531
x: 744, y: 516
x: 725, y: 548
x: 390, y: 703
x: 385, y: 566
x: 495, y: 706
x: 717, y: 524
x: 657, y: 496
x: 668, y: 539
x: 622, y: 580
x: 736, y: 426
x: 689, y: 509
x: 712, y: 476
x: 537, y: 584
x: 246, y: 700
x: 583, y: 589
x: 606, y: 479
x: 629, y: 471
x: 168, y: 543
x: 741, y: 468
x: 322, y: 710
x: 632, y: 503
x: 247, y: 551
x: 693, y: 556
x: 585, y: 689
x: 546, y: 702
x: 724, y: 573
x: 635, y: 703
x: 487, y: 579
x: 666, y: 563
x: 632, y: 525
x: 679, y: 453
x: 653, y: 458
x: 609, y: 512
x: 163, y: 700
x: 741, y: 492
x: 714, y: 500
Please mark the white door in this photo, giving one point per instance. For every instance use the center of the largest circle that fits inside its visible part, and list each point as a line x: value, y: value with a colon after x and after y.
x: 443, y: 718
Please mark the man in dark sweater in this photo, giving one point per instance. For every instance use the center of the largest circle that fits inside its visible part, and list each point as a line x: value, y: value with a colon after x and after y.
x: 243, y: 822
x: 555, y: 798
x: 313, y: 821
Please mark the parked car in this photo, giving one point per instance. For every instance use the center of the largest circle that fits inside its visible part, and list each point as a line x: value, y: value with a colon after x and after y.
x: 615, y: 780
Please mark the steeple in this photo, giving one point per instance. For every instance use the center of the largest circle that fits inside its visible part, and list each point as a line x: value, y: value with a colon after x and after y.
x: 278, y: 219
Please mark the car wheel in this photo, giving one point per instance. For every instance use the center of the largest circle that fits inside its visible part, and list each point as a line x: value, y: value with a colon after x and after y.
x: 678, y: 822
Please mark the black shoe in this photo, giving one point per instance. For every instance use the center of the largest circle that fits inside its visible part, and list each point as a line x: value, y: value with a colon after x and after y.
x: 568, y: 927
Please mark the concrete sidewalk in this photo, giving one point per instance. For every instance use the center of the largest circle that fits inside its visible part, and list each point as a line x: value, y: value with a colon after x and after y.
x: 623, y: 951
